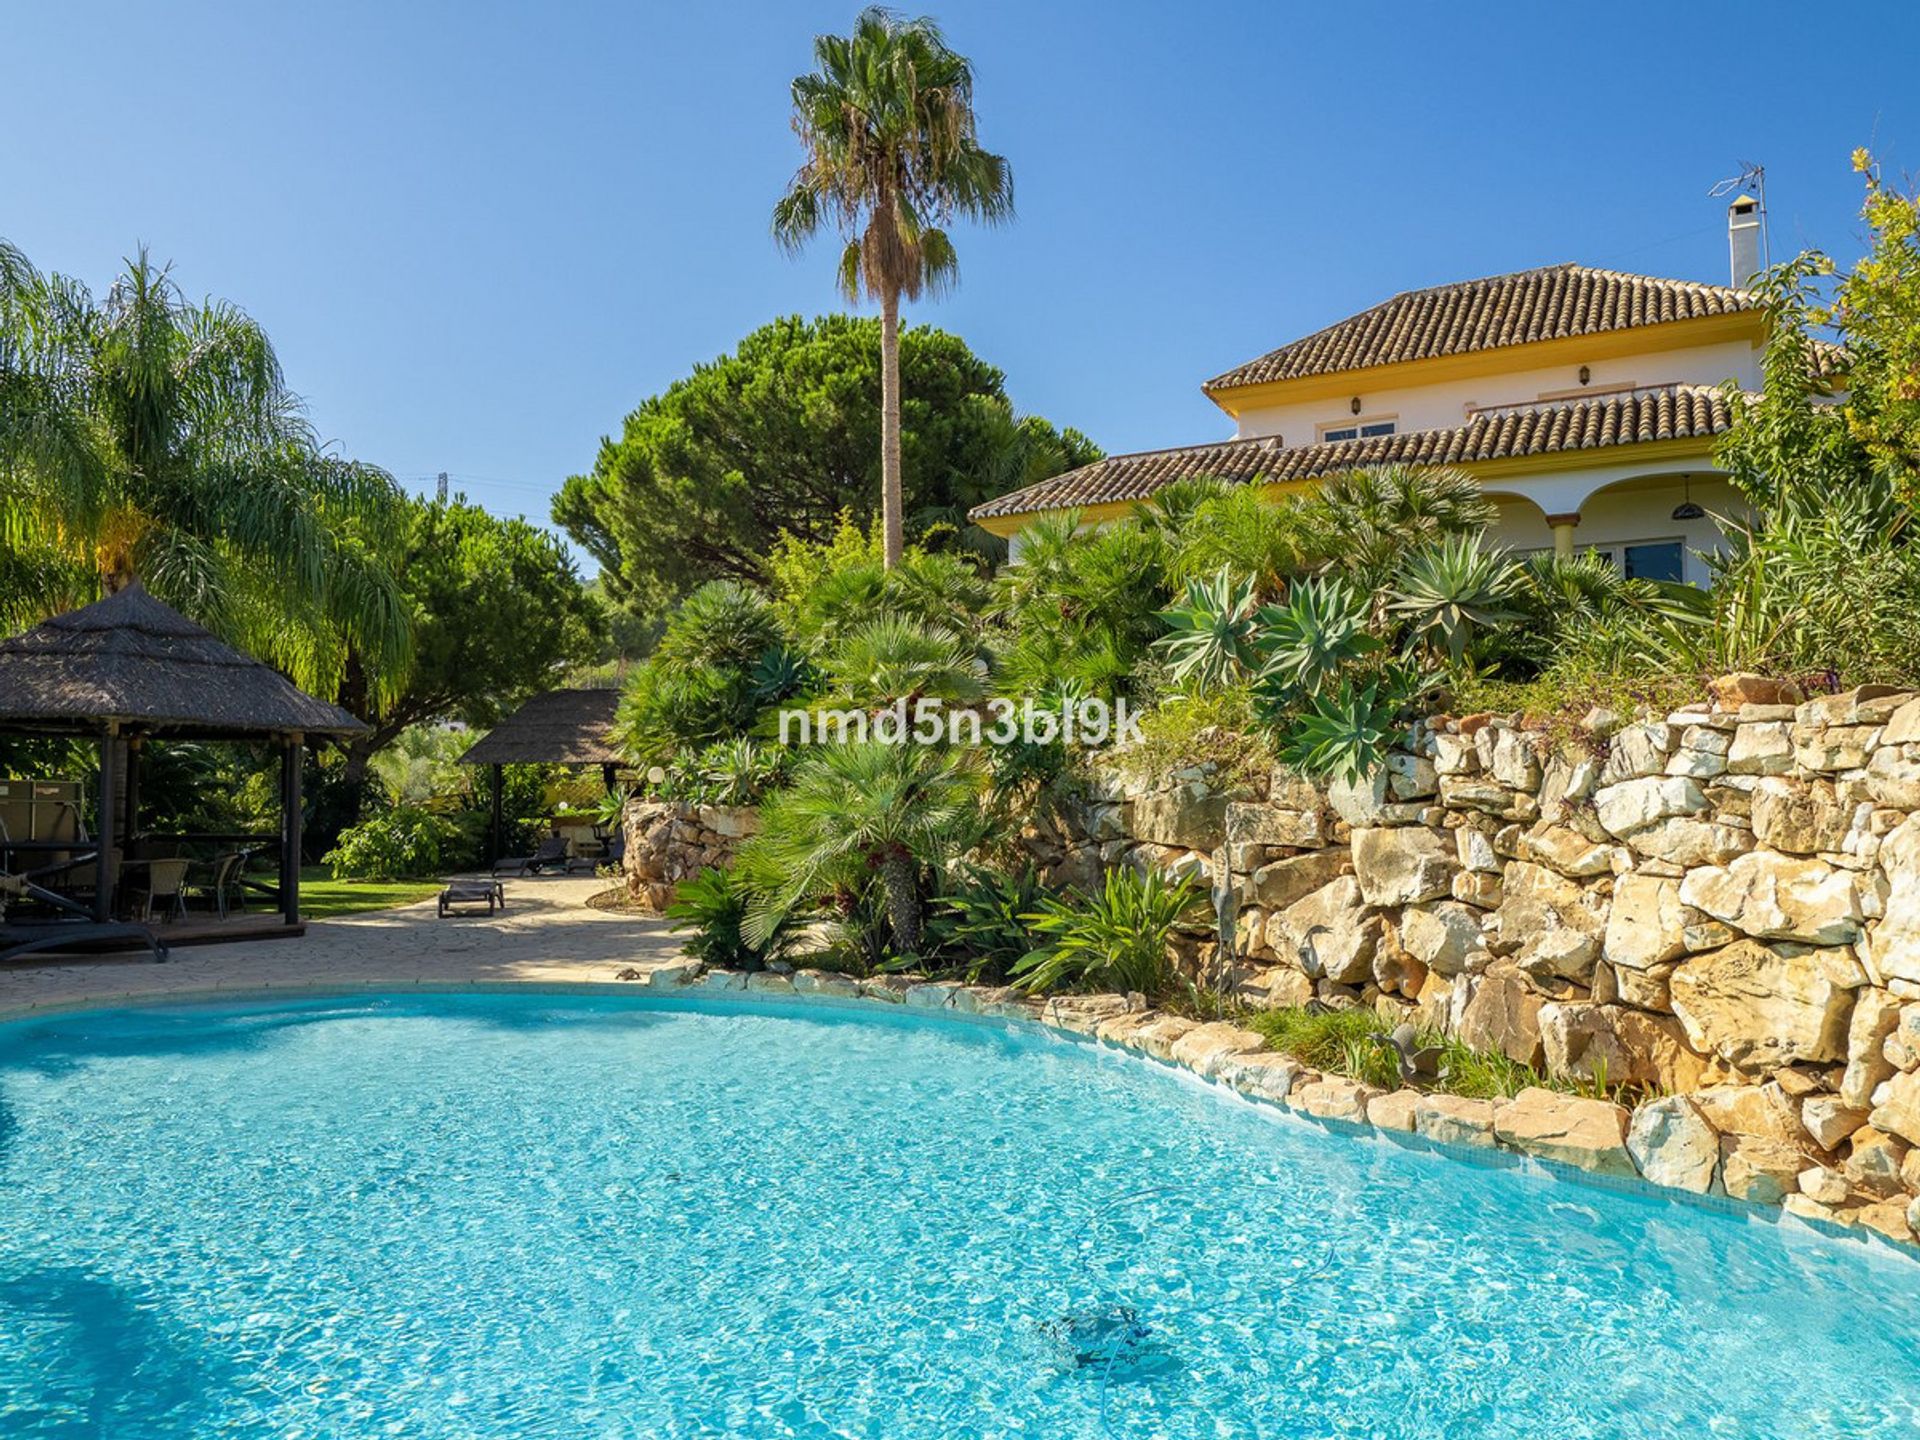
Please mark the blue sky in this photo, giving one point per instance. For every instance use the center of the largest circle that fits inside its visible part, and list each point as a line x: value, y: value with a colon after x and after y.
x: 480, y: 233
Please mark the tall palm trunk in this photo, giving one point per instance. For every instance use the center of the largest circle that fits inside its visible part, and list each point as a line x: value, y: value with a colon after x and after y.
x: 892, y: 527
x: 900, y: 879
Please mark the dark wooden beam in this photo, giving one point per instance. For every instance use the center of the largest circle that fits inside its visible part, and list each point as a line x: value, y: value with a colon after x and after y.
x: 290, y: 759
x: 104, y: 874
x: 495, y: 828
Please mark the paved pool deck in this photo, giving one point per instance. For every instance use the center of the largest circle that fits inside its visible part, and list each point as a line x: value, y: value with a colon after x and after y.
x: 548, y: 934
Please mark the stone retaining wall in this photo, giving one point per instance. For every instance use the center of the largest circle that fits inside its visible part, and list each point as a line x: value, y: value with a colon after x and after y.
x: 1723, y: 905
x: 670, y: 841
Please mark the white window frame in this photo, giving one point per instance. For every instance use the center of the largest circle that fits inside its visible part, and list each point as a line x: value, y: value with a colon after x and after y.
x: 1358, y: 425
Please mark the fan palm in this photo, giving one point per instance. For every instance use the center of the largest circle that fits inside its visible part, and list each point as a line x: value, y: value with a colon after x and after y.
x: 886, y: 120
x: 1372, y: 519
x: 894, y: 658
x: 854, y: 811
x: 146, y: 437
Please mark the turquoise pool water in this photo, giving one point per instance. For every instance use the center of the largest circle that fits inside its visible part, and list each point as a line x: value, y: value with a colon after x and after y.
x: 551, y: 1216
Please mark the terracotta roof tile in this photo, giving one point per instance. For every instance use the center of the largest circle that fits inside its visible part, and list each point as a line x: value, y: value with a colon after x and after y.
x: 1672, y: 412
x: 1552, y: 303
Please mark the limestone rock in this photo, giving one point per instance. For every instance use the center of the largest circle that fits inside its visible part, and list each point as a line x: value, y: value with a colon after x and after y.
x: 1335, y: 1097
x: 1763, y: 748
x: 1444, y: 936
x: 1284, y: 881
x: 1802, y: 817
x: 1873, y: 1164
x: 1454, y: 1119
x: 1263, y: 1074
x: 1515, y: 765
x: 1829, y: 1120
x: 1761, y: 1171
x: 1896, y: 939
x: 1268, y: 824
x: 1779, y: 897
x: 1204, y: 1047
x: 1191, y: 815
x: 1402, y: 865
x: 1555, y: 924
x: 1673, y: 1145
x: 1893, y: 779
x: 1633, y: 805
x: 1876, y: 1013
x: 1622, y: 1046
x: 1394, y: 1111
x: 1760, y: 1006
x: 1360, y: 802
x: 1685, y: 840
x: 1502, y: 1013
x: 1824, y: 1186
x: 1761, y: 1111
x: 1635, y: 751
x: 1330, y: 933
x: 1896, y: 1107
x: 1410, y: 777
x: 1566, y: 851
x: 1730, y: 692
x: 1646, y: 923
x: 1590, y: 1134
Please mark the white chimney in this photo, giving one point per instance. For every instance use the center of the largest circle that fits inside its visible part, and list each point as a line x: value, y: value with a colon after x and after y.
x: 1743, y: 239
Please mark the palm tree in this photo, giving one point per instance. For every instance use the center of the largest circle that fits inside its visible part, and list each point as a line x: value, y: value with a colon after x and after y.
x: 146, y: 437
x: 854, y: 811
x: 887, y: 123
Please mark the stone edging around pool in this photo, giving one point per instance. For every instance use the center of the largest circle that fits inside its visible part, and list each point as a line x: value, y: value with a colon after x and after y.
x: 1572, y: 1138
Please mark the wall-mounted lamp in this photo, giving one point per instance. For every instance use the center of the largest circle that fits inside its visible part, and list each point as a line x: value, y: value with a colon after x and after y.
x: 1686, y: 509
x: 1354, y: 405
x: 1585, y: 375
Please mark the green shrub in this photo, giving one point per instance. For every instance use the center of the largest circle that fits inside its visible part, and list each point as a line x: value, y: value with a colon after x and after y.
x: 400, y: 844
x: 710, y: 910
x: 1113, y: 939
x: 981, y: 925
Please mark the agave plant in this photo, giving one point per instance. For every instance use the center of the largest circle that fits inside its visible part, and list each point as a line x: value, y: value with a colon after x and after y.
x: 1343, y: 734
x: 1212, y: 639
x: 1321, y: 627
x: 1451, y: 591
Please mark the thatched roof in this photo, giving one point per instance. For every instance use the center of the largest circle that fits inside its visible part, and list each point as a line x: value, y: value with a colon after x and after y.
x: 563, y: 727
x: 132, y: 659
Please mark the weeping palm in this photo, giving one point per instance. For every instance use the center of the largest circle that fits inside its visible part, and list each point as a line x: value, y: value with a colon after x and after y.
x: 146, y: 437
x: 888, y: 127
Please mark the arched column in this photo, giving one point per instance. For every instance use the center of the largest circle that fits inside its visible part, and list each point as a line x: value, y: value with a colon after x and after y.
x: 1562, y: 526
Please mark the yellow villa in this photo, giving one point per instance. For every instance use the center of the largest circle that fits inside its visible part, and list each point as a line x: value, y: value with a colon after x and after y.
x: 1586, y: 402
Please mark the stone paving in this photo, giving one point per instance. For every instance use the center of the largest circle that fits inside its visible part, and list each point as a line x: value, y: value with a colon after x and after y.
x: 548, y: 934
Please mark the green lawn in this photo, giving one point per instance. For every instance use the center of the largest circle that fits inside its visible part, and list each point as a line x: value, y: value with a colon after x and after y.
x: 322, y: 897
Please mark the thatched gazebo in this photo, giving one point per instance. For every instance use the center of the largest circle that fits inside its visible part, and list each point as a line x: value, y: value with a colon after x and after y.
x: 556, y: 727
x: 128, y: 668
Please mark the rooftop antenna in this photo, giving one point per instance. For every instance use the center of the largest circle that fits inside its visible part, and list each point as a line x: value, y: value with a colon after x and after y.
x: 1754, y: 178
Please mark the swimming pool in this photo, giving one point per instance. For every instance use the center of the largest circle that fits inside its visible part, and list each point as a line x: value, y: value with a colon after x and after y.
x: 538, y: 1215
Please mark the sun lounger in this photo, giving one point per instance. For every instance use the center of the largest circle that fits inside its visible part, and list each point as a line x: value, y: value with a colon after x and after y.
x: 489, y: 893
x: 552, y: 855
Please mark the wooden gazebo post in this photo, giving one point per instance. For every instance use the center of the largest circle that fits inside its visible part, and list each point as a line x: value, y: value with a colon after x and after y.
x: 498, y: 840
x: 103, y: 872
x: 290, y: 828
